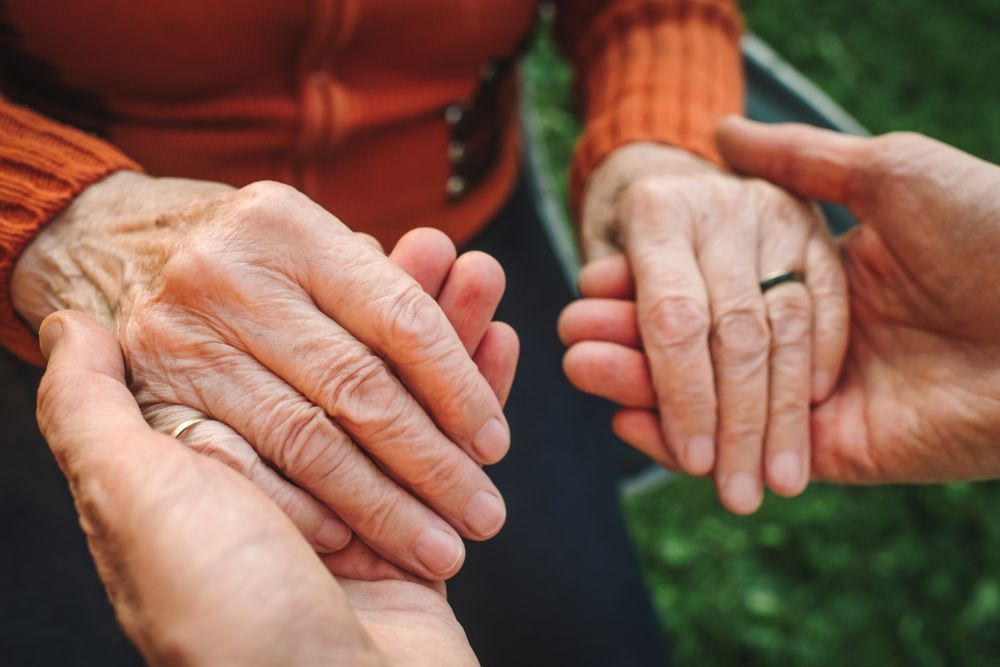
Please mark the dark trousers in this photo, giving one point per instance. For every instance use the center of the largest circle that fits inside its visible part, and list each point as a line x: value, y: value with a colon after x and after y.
x: 559, y: 586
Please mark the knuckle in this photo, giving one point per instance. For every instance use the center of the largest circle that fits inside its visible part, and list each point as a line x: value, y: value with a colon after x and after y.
x: 642, y: 192
x: 193, y: 264
x: 225, y: 451
x: 742, y: 431
x: 893, y: 143
x: 173, y: 354
x: 790, y: 368
x: 828, y: 283
x: 788, y: 407
x: 370, y: 241
x: 676, y: 321
x: 364, y: 397
x: 779, y: 211
x: 48, y: 395
x: 270, y: 208
x: 367, y: 565
x: 267, y: 195
x: 649, y: 202
x: 758, y: 187
x: 56, y: 394
x: 791, y: 313
x: 288, y: 500
x: 697, y: 403
x: 413, y: 319
x: 443, y: 476
x: 742, y: 334
x: 381, y: 516
x: 465, y: 396
x: 310, y: 449
x: 883, y: 152
x: 833, y: 321
x: 896, y: 153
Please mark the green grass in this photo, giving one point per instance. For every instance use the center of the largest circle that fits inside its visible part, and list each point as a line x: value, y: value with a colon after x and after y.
x: 932, y: 66
x: 884, y: 576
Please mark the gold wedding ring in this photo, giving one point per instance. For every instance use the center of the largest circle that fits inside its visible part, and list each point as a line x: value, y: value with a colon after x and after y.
x: 185, y: 425
x: 776, y: 278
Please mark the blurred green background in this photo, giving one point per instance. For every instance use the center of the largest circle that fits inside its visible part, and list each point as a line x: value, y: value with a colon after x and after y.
x: 857, y: 576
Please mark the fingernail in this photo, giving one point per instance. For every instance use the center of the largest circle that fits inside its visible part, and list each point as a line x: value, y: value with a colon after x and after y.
x: 49, y: 335
x: 821, y: 385
x: 331, y: 536
x: 492, y: 441
x: 742, y: 493
x: 785, y: 471
x: 700, y: 455
x: 439, y: 550
x: 485, y: 514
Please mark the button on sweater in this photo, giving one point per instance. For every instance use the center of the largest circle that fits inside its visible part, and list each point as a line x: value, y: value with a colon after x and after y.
x: 347, y: 100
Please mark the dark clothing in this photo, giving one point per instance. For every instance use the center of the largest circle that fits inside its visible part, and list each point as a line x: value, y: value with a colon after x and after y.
x: 53, y: 609
x: 560, y: 585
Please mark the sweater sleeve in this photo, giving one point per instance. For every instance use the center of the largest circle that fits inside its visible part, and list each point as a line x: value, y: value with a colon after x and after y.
x: 664, y: 71
x: 43, y: 166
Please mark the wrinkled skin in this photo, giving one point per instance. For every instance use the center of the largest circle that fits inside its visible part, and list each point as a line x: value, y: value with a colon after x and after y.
x: 201, y: 567
x: 699, y: 241
x: 319, y: 360
x: 919, y: 397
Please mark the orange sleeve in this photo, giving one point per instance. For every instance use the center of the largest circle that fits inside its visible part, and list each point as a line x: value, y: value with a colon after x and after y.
x: 43, y: 166
x: 665, y: 71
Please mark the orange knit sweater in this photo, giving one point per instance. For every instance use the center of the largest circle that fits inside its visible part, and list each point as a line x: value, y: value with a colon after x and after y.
x: 350, y: 101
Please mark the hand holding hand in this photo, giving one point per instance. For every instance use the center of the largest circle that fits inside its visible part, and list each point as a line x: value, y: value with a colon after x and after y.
x: 918, y: 399
x: 332, y: 378
x: 178, y: 537
x: 733, y: 370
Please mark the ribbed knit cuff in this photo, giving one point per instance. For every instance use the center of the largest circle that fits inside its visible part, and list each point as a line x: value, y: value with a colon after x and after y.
x: 43, y: 166
x: 665, y: 71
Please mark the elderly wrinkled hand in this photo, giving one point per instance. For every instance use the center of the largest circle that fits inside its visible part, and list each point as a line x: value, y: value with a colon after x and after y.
x: 332, y: 379
x: 699, y: 241
x: 178, y: 537
x: 918, y: 397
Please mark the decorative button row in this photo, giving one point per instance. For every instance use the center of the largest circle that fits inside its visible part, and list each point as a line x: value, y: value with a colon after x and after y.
x: 456, y: 186
x: 456, y: 152
x: 454, y: 114
x: 478, y: 123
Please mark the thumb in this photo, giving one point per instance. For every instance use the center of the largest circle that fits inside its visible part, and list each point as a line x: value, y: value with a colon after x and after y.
x: 812, y: 163
x: 83, y: 396
x: 176, y: 537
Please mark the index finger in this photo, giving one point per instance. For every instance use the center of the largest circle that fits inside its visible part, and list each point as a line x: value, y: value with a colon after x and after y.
x: 390, y: 312
x: 674, y: 320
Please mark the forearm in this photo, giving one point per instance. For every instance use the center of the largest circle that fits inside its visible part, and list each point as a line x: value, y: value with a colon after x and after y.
x: 57, y: 272
x: 43, y: 167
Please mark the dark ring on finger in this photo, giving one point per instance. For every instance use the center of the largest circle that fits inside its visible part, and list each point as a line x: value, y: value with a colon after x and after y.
x: 779, y: 277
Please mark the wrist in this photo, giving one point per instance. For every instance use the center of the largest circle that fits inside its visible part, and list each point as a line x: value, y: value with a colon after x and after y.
x: 105, y: 243
x: 626, y: 165
x: 631, y: 162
